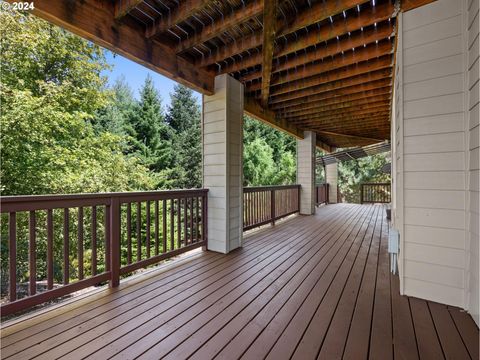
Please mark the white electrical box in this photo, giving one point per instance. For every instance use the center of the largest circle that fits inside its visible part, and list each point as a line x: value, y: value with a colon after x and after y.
x: 393, y: 245
x: 393, y: 240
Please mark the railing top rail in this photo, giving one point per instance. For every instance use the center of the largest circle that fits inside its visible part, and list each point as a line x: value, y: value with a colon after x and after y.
x: 270, y: 187
x: 38, y: 202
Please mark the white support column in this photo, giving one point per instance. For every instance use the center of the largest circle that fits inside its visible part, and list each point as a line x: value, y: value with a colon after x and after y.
x: 331, y: 176
x: 222, y: 135
x: 306, y: 172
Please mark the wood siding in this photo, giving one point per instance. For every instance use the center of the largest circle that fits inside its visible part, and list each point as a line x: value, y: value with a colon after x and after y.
x: 473, y: 213
x: 430, y: 155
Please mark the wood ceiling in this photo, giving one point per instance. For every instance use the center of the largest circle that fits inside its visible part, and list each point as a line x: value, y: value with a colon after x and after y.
x: 319, y: 65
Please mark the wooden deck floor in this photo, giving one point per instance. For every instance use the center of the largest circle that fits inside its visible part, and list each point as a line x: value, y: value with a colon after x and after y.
x: 311, y: 287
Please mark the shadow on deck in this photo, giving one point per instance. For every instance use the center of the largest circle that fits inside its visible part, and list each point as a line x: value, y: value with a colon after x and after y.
x: 311, y: 287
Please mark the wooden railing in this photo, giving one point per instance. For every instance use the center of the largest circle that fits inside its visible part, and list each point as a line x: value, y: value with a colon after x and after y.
x: 266, y: 204
x: 88, y: 239
x: 375, y: 193
x: 321, y: 194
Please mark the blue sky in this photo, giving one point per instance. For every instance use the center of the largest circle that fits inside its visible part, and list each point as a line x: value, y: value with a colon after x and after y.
x: 135, y: 75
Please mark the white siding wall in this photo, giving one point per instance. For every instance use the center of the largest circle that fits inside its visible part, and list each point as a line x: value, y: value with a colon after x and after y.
x: 472, y: 41
x: 306, y: 172
x: 222, y: 131
x: 430, y: 152
x: 332, y: 180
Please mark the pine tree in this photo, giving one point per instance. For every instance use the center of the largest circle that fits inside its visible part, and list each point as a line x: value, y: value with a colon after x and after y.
x: 152, y: 136
x: 184, y: 110
x: 117, y: 115
x: 184, y: 118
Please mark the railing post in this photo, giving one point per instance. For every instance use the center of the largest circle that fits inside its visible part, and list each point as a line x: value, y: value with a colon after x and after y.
x: 272, y: 205
x: 361, y: 193
x: 204, y: 221
x: 114, y: 242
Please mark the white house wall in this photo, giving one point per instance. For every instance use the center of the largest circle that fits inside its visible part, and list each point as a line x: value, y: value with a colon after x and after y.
x: 435, y: 158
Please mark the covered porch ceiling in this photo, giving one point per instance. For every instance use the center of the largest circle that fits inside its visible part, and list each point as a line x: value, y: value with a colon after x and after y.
x: 319, y: 65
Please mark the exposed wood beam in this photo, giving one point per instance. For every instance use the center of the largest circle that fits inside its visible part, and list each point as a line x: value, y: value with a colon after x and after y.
x: 335, y: 93
x: 184, y: 10
x: 382, y: 63
x: 123, y: 7
x: 349, y: 136
x: 330, y: 49
x: 365, y: 127
x: 94, y: 21
x: 338, y: 28
x: 319, y: 11
x: 334, y: 85
x: 253, y: 109
x: 269, y: 25
x: 407, y: 5
x: 317, y: 120
x: 333, y: 112
x: 365, y: 18
x: 349, y: 58
x: 239, y: 16
x: 338, y: 100
x: 343, y: 105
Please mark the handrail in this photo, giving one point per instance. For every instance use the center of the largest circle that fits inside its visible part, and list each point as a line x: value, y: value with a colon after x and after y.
x: 88, y: 239
x: 265, y: 204
x: 375, y: 193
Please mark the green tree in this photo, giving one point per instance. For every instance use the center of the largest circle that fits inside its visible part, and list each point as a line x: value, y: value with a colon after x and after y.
x: 268, y: 155
x: 355, y: 172
x: 119, y: 112
x: 51, y: 88
x: 184, y: 118
x: 152, y: 136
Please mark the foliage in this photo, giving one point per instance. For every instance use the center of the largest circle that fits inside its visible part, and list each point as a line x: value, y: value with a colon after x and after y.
x: 268, y: 155
x: 184, y: 118
x: 355, y: 172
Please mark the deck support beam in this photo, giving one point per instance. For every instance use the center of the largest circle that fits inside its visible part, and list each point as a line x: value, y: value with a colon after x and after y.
x: 306, y: 172
x: 222, y: 133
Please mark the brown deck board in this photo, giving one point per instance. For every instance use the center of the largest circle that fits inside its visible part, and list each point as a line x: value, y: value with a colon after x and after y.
x: 310, y: 287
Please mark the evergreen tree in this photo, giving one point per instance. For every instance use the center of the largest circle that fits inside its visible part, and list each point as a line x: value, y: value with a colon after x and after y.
x: 118, y: 114
x: 152, y: 136
x: 184, y: 111
x: 184, y: 118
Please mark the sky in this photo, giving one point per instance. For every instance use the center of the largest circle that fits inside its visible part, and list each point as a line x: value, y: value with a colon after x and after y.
x: 135, y: 75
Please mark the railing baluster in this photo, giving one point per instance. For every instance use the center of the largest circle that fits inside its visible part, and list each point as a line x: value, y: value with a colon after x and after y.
x: 272, y: 206
x: 172, y: 224
x: 196, y: 218
x: 115, y: 241
x: 129, y: 233
x: 185, y: 221
x: 32, y: 259
x: 49, y: 249
x: 80, y: 243
x: 190, y: 200
x: 107, y: 237
x: 139, y: 231
x: 157, y: 228
x: 164, y: 227
x: 179, y: 223
x: 147, y: 232
x: 66, y: 246
x: 94, y: 240
x: 12, y: 252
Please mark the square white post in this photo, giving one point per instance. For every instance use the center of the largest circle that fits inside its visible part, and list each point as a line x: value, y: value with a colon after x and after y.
x: 306, y: 172
x: 331, y: 176
x: 222, y: 139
